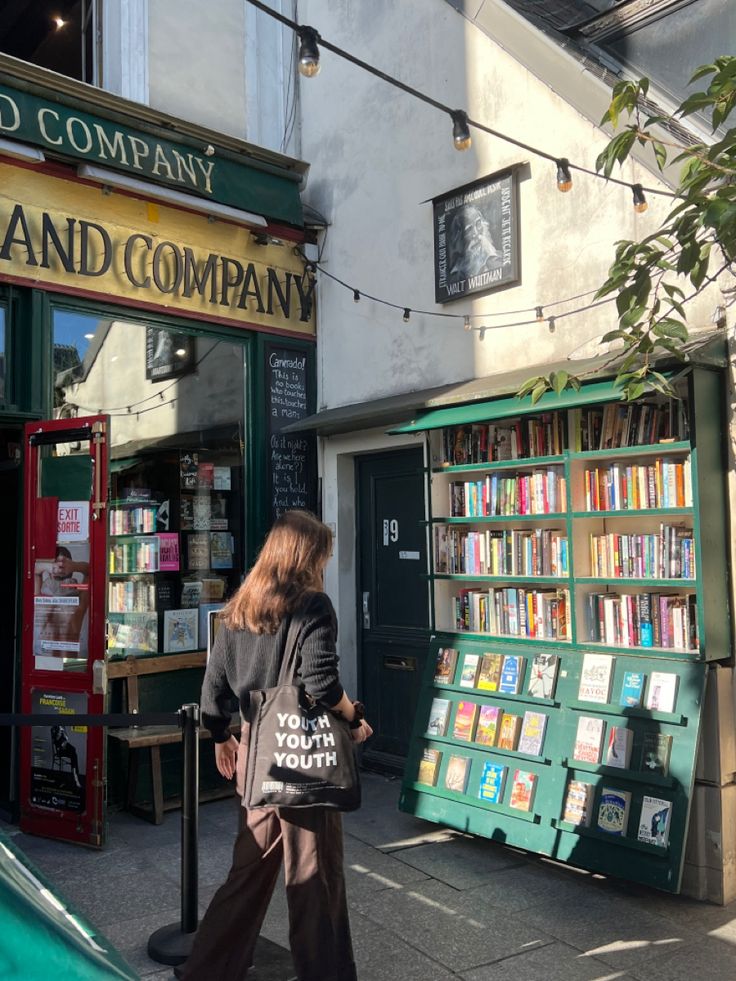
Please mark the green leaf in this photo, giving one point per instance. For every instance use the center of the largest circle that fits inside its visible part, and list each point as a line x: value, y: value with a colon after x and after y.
x: 667, y: 327
x: 661, y: 155
x: 695, y: 102
x: 700, y: 72
x: 539, y: 391
x: 528, y: 386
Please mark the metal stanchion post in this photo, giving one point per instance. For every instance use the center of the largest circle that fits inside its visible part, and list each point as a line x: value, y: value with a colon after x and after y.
x: 172, y: 944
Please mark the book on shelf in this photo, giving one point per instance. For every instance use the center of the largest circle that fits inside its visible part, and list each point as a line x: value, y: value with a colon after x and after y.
x: 642, y: 620
x: 205, y: 474
x: 489, y: 676
x: 191, y: 593
x: 457, y: 773
x: 588, y: 739
x: 632, y: 689
x: 492, y: 782
x: 464, y: 725
x: 439, y: 714
x: 429, y: 766
x: 578, y: 806
x: 613, y: 810
x: 620, y: 742
x: 540, y: 614
x: 218, y: 512
x: 662, y: 691
x: 205, y: 611
x: 221, y: 478
x: 221, y: 550
x: 522, y: 790
x: 531, y: 736
x: 165, y: 592
x: 188, y: 468
x: 213, y: 589
x: 512, y: 674
x: 180, y: 630
x: 508, y: 732
x: 444, y: 672
x: 168, y: 551
x: 138, y: 631
x: 201, y: 512
x: 186, y: 512
x: 486, y: 729
x: 656, y: 750
x: 198, y: 550
x: 469, y: 672
x: 654, y: 821
x: 543, y: 676
x: 596, y: 675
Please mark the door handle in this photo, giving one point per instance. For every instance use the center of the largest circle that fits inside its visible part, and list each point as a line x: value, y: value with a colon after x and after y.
x: 366, y: 611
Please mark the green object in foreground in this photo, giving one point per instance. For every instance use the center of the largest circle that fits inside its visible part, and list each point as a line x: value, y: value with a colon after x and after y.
x: 41, y: 938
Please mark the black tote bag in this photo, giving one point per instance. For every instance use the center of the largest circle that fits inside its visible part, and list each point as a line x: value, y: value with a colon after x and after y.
x: 300, y: 754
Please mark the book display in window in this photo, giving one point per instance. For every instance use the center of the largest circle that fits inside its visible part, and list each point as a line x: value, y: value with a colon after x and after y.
x: 569, y: 550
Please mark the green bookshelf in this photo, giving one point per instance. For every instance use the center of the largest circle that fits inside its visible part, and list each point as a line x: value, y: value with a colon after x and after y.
x: 638, y: 590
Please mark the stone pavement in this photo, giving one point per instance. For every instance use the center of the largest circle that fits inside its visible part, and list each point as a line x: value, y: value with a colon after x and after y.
x: 427, y: 904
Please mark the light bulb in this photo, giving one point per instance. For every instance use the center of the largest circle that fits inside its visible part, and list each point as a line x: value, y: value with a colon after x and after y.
x: 460, y: 130
x: 564, y: 177
x: 466, y: 323
x: 407, y: 314
x: 640, y: 202
x: 308, y: 52
x: 539, y: 314
x: 551, y: 325
x: 356, y: 296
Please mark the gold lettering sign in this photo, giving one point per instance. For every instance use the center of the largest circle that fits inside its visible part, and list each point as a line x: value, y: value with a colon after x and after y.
x: 72, y: 236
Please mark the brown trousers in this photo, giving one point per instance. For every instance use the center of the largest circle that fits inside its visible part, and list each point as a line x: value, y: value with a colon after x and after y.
x: 309, y: 842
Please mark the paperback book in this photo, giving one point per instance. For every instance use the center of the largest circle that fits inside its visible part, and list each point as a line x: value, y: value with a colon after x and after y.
x: 508, y: 735
x: 595, y: 678
x: 180, y: 630
x: 662, y: 691
x: 487, y: 728
x: 522, y: 790
x: 198, y: 550
x: 457, y: 773
x: 465, y: 721
x: 429, y: 766
x: 588, y: 740
x: 578, y: 803
x: 656, y: 750
x: 632, y: 689
x: 613, y: 810
x: 492, y: 781
x: 654, y: 821
x: 444, y: 673
x: 489, y: 677
x: 620, y: 741
x: 543, y: 675
x: 511, y: 674
x: 439, y: 713
x: 469, y: 671
x: 533, y: 727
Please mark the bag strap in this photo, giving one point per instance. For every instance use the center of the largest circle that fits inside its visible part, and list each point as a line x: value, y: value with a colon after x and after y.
x: 287, y: 671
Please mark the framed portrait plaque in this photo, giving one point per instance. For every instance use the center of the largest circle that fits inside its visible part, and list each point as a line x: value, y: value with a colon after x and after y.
x: 476, y: 237
x: 168, y: 354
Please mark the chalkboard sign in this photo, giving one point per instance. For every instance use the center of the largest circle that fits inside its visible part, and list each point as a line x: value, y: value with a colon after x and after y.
x: 292, y: 457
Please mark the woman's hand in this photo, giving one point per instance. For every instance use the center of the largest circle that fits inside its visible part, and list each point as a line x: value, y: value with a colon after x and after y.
x: 226, y: 757
x: 362, y: 733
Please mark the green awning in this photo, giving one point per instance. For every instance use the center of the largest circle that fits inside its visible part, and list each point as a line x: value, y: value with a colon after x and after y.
x: 504, y: 408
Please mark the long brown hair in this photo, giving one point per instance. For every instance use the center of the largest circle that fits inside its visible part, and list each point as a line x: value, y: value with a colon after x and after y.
x: 289, y: 566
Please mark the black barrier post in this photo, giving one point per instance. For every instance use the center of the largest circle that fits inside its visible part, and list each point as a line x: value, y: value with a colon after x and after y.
x: 172, y: 944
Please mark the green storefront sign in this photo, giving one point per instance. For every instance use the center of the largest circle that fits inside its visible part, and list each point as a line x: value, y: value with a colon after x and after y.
x: 60, y: 129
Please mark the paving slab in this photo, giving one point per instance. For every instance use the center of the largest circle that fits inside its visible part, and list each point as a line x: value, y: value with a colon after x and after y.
x: 462, y: 862
x: 555, y: 962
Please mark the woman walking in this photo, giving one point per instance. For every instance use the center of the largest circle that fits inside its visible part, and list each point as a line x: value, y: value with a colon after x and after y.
x: 285, y: 582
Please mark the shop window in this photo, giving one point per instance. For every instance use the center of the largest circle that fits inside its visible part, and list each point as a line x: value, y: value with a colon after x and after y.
x: 176, y: 494
x: 63, y: 35
x: 3, y: 317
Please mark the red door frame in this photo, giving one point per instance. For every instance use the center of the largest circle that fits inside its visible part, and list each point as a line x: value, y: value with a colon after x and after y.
x: 86, y: 826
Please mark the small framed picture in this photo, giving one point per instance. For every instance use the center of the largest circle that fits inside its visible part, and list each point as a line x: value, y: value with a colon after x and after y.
x: 476, y: 237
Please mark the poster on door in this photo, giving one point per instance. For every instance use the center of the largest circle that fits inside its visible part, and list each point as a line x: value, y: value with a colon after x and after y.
x: 59, y: 752
x: 61, y: 590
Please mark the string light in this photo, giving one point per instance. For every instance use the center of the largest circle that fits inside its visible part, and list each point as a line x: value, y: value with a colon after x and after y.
x: 409, y: 90
x: 356, y: 296
x: 640, y: 201
x: 308, y: 51
x: 481, y: 333
x: 466, y: 323
x: 539, y: 314
x: 551, y: 325
x: 460, y: 131
x: 564, y: 177
x: 407, y: 315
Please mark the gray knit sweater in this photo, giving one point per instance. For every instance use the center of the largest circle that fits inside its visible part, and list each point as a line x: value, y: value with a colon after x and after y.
x: 241, y: 662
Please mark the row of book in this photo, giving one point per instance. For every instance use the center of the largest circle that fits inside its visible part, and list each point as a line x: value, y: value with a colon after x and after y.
x: 138, y: 555
x: 492, y: 783
x: 499, y: 494
x: 137, y: 520
x: 131, y: 595
x: 654, y: 752
x: 488, y: 725
x: 531, y: 436
x: 636, y: 424
x: 503, y: 673
x: 508, y: 552
x: 512, y: 611
x: 667, y: 555
x: 662, y: 484
x: 668, y: 620
x: 614, y: 804
x: 596, y: 679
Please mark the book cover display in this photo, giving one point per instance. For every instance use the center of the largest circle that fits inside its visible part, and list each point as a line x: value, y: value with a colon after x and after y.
x: 588, y: 739
x: 464, y: 726
x: 632, y: 689
x: 445, y: 667
x: 512, y: 674
x: 429, y: 766
x: 533, y: 727
x: 543, y: 675
x: 522, y: 790
x: 662, y: 691
x: 620, y: 743
x: 469, y: 672
x: 654, y: 821
x: 613, y: 810
x: 508, y: 734
x: 489, y: 677
x: 487, y: 728
x: 492, y: 782
x: 439, y: 714
x: 457, y: 774
x: 579, y: 803
x: 655, y: 753
x: 180, y: 630
x: 595, y: 678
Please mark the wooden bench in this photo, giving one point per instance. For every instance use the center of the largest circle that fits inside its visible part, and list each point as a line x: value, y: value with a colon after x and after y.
x: 151, y: 738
